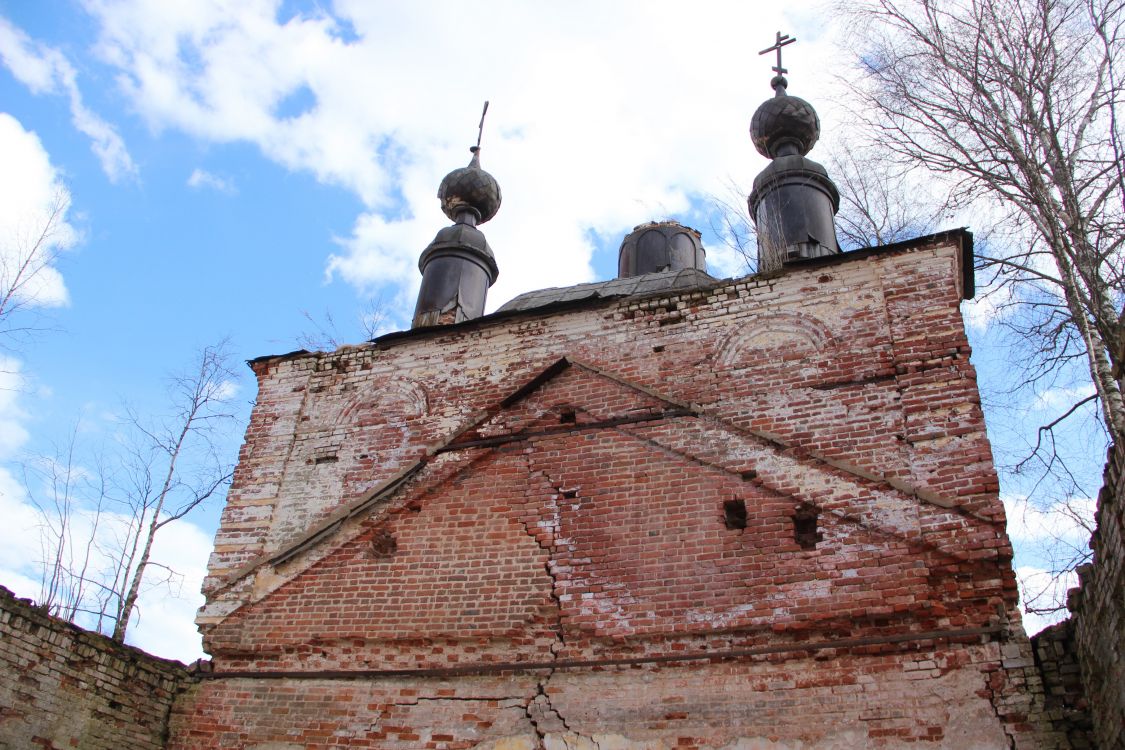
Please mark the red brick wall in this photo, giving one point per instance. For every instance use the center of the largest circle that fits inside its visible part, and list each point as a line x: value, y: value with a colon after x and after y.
x: 556, y: 531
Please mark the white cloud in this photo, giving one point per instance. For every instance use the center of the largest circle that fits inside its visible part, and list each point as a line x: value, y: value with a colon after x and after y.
x: 1068, y: 521
x: 201, y: 178
x: 227, y: 390
x: 165, y: 623
x: 45, y: 70
x: 1064, y: 398
x: 596, y: 122
x: 1047, y: 538
x: 989, y: 305
x: 33, y: 226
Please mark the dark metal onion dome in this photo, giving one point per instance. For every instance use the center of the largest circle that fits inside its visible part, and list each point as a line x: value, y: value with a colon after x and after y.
x: 470, y: 187
x: 794, y: 201
x: 784, y: 119
x: 458, y: 267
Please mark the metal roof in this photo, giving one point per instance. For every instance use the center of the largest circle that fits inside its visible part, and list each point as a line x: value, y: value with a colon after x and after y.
x: 649, y: 283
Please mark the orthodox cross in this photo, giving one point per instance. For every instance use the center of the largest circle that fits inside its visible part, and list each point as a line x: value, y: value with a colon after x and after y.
x: 782, y: 40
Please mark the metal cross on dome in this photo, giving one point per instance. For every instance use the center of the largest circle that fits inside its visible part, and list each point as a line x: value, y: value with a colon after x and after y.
x: 781, y: 41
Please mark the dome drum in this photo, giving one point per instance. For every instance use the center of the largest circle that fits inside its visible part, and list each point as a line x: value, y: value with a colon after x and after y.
x: 660, y: 246
x: 793, y: 206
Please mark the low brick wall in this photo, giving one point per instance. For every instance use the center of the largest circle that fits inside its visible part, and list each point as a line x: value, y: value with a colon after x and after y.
x: 1099, y: 609
x: 1066, y: 705
x: 65, y: 687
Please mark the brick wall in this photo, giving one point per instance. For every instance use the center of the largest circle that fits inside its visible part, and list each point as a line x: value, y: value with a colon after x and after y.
x: 1098, y: 608
x: 65, y: 687
x: 932, y: 697
x: 761, y: 513
x: 1057, y: 658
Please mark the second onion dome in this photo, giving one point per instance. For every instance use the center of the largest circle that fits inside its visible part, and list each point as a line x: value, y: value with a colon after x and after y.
x: 794, y: 202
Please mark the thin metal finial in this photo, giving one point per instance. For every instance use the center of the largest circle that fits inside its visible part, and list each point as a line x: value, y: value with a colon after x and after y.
x: 781, y: 41
x: 480, y: 129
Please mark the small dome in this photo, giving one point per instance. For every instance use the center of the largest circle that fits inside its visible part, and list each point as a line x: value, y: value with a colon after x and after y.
x: 660, y: 246
x: 784, y: 119
x: 470, y: 186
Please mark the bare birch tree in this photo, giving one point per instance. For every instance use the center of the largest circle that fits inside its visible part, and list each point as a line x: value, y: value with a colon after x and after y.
x: 1012, y: 105
x: 101, y: 523
x: 1015, y: 102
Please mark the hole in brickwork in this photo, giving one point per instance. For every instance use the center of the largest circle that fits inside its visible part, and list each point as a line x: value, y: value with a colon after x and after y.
x: 567, y: 416
x: 749, y: 475
x: 570, y: 494
x: 734, y: 514
x: 328, y: 458
x: 804, y: 526
x: 114, y: 705
x: 658, y: 348
x: 383, y: 544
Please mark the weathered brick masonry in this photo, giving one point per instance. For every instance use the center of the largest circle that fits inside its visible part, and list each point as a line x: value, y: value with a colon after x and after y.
x: 756, y: 513
x: 1099, y: 609
x: 65, y: 687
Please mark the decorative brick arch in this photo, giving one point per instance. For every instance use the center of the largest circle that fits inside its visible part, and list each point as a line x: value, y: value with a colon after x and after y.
x: 397, y: 397
x: 789, y: 332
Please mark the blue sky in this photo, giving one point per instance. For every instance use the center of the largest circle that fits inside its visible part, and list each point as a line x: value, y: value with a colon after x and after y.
x: 233, y: 166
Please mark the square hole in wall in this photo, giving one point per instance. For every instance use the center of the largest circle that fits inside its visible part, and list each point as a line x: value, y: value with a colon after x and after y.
x: 734, y: 514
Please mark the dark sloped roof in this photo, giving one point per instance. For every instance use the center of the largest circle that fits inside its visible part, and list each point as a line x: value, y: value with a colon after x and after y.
x: 649, y: 283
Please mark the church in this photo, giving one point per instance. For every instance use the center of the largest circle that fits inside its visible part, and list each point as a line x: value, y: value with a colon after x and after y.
x: 660, y: 511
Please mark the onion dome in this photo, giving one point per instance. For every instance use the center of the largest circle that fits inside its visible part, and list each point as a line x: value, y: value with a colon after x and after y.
x: 458, y: 267
x: 784, y: 119
x: 470, y: 188
x: 794, y: 202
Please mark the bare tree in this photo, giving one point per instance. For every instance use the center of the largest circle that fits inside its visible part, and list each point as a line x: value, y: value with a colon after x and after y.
x: 100, y: 523
x: 874, y: 208
x: 65, y: 497
x: 27, y: 255
x: 162, y: 488
x: 1015, y: 102
x: 326, y: 334
x: 1012, y: 106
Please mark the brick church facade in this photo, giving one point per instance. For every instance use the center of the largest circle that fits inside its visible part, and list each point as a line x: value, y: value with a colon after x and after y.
x: 661, y: 511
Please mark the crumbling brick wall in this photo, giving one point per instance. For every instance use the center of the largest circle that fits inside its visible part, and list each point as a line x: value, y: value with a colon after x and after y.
x: 63, y: 687
x: 761, y: 512
x: 1056, y: 657
x: 1098, y: 608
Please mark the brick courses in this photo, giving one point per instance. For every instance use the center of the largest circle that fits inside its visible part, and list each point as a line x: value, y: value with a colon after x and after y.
x: 65, y: 687
x: 517, y: 532
x: 1098, y: 608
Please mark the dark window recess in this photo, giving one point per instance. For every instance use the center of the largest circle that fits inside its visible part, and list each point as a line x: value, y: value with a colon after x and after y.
x: 567, y: 416
x: 734, y: 514
x: 804, y: 526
